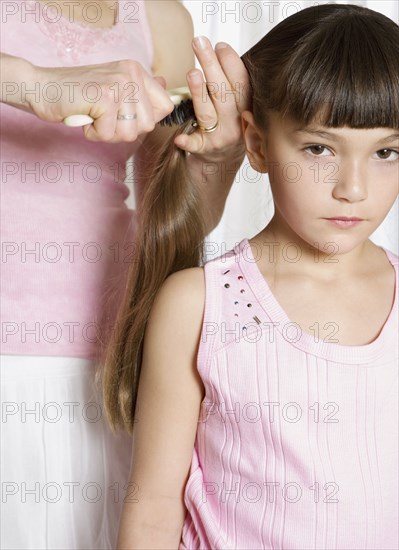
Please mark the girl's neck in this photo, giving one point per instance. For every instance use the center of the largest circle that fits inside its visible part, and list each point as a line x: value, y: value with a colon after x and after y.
x: 287, y: 253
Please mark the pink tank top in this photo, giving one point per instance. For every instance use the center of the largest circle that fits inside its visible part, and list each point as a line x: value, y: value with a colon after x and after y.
x: 297, y: 440
x: 67, y: 234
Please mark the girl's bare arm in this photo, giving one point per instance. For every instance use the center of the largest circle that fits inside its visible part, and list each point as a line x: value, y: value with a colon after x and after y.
x: 169, y: 398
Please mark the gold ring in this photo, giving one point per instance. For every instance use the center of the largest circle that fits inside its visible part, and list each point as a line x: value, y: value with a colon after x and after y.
x: 195, y: 124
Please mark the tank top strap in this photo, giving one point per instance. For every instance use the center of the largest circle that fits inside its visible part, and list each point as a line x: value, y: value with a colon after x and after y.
x: 393, y: 258
x: 232, y: 310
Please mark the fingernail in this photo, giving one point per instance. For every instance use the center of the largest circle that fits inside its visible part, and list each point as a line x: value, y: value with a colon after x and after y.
x: 220, y: 45
x: 200, y: 42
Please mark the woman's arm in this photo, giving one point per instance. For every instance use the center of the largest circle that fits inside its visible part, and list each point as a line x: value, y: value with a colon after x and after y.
x: 169, y: 398
x: 172, y: 31
x: 217, y: 156
x: 16, y: 72
x: 26, y: 86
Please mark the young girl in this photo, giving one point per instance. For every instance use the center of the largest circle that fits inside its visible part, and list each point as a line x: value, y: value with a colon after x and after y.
x: 67, y: 236
x: 267, y: 410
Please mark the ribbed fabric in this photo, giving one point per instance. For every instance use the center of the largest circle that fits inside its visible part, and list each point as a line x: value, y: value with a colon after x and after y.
x: 297, y: 440
x: 67, y: 234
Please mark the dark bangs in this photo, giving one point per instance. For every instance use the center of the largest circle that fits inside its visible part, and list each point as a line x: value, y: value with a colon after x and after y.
x: 340, y: 67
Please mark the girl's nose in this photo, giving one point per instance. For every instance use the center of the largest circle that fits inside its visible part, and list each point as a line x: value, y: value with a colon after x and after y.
x: 352, y: 182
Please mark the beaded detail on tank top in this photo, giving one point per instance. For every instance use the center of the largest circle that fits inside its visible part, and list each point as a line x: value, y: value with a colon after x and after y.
x: 244, y: 315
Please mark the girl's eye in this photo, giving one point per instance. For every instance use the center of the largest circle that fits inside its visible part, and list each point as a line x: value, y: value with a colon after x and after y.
x: 386, y: 154
x: 317, y: 150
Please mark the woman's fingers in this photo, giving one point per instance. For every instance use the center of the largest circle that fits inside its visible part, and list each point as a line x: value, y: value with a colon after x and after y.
x: 218, y: 98
x: 236, y: 72
x: 131, y: 101
x: 161, y: 81
x: 123, y: 100
x: 132, y: 108
x: 161, y: 104
x: 218, y: 85
x: 205, y: 111
x: 104, y: 125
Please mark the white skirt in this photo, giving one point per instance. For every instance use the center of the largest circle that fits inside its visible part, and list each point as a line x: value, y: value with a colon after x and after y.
x: 64, y: 475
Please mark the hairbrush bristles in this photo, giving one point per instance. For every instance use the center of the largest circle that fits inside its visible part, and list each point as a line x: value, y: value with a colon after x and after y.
x: 180, y: 114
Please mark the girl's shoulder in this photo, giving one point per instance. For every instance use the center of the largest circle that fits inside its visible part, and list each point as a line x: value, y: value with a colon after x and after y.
x: 184, y: 283
x: 181, y: 301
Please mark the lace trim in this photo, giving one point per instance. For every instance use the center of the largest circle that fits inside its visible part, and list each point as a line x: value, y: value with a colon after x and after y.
x: 73, y: 39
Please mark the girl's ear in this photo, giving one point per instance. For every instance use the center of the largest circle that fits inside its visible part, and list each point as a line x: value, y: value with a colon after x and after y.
x: 254, y: 143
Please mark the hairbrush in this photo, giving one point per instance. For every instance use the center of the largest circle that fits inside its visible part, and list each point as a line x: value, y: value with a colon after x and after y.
x: 182, y: 112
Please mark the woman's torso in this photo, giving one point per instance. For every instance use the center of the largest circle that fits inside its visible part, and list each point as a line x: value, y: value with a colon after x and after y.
x: 67, y: 235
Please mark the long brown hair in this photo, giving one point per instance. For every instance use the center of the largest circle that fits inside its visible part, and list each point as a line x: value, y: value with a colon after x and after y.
x: 341, y: 61
x: 169, y: 237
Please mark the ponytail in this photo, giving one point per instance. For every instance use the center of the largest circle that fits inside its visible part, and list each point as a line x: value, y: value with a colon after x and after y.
x: 170, y: 236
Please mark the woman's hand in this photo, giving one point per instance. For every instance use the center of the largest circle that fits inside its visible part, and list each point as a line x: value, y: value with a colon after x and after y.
x: 102, y: 92
x: 220, y: 98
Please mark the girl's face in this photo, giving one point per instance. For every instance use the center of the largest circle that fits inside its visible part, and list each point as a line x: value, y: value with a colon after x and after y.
x: 318, y: 173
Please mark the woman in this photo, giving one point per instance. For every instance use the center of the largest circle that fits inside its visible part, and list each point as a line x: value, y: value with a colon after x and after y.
x: 68, y: 237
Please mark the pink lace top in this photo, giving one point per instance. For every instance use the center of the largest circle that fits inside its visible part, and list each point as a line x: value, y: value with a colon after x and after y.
x: 67, y: 234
